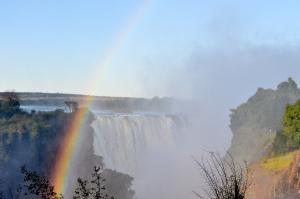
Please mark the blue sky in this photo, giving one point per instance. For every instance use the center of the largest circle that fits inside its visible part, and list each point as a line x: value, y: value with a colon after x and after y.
x: 54, y: 46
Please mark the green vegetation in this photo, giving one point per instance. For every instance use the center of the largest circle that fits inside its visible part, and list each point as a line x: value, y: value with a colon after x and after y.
x: 9, y: 105
x: 27, y: 138
x: 279, y: 144
x: 289, y: 138
x: 278, y: 162
x: 33, y: 139
x: 291, y: 125
x: 254, y: 123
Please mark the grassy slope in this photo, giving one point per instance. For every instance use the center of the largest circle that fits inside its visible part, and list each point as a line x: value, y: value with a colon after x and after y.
x: 268, y: 173
x: 278, y: 162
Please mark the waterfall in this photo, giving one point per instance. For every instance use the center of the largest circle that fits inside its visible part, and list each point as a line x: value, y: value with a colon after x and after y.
x: 124, y: 140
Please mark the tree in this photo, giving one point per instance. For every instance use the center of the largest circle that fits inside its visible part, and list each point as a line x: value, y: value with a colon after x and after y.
x: 82, y: 191
x: 291, y: 125
x: 93, y: 189
x: 10, y: 103
x: 1, y: 192
x: 38, y: 185
x: 223, y: 178
x: 279, y: 144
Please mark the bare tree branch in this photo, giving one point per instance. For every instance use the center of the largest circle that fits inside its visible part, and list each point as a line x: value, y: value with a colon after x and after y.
x: 223, y: 178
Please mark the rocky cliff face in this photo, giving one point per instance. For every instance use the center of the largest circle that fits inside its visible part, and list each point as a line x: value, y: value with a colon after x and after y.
x: 289, y: 184
x: 281, y: 183
x: 255, y: 123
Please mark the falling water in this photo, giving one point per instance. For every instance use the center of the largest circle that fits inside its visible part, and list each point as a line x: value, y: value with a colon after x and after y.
x: 124, y: 140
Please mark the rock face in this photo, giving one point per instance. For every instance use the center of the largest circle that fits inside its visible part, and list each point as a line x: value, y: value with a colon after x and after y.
x: 289, y: 184
x: 275, y: 184
x: 254, y: 124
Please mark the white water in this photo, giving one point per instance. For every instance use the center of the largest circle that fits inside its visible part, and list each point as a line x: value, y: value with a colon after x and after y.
x: 124, y: 141
x: 155, y: 149
x: 44, y: 108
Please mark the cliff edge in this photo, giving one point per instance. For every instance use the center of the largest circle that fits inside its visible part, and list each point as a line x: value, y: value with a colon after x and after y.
x: 254, y: 124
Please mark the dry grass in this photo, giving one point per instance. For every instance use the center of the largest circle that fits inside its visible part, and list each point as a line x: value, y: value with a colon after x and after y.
x: 278, y: 162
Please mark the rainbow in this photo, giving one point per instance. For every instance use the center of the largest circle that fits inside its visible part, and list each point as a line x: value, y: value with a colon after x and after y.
x: 69, y: 143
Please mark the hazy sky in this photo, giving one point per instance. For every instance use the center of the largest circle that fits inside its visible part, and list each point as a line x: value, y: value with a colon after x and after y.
x: 180, y: 48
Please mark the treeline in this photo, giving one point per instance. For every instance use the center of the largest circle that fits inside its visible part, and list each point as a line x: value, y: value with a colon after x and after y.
x: 27, y: 138
x: 34, y: 139
x: 34, y: 185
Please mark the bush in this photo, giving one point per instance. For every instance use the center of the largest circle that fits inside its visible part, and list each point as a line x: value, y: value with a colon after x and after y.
x: 280, y: 144
x: 289, y: 138
x: 291, y: 125
x: 10, y: 104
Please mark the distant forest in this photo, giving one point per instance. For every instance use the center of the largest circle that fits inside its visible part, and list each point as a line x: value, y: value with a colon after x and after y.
x: 29, y: 144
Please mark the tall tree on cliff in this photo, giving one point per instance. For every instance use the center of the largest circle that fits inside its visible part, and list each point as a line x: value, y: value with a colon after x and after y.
x: 291, y: 125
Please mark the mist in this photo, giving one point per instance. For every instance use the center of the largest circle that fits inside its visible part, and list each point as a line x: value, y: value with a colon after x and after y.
x: 216, y: 78
x: 209, y: 57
